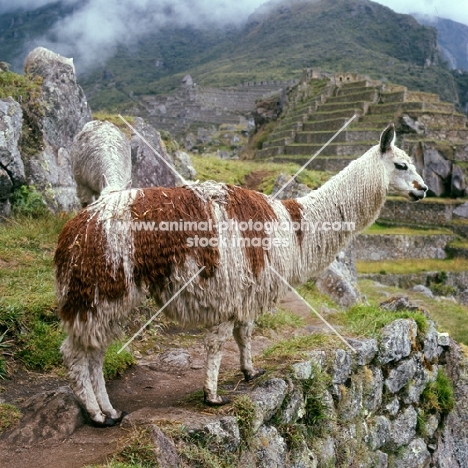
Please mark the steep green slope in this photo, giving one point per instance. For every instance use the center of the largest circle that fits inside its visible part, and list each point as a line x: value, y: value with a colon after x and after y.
x: 333, y: 35
x: 277, y: 43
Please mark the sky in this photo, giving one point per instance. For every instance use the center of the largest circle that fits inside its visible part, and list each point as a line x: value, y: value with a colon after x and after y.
x: 97, y: 26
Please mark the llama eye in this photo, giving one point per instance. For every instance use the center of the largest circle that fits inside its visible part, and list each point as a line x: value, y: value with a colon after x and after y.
x: 401, y: 166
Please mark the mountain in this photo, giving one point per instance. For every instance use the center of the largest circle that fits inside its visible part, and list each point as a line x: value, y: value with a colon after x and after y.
x: 452, y: 38
x: 277, y: 42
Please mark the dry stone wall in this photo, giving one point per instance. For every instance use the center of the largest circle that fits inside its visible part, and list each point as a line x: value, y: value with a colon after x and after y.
x: 376, y: 247
x: 369, y: 408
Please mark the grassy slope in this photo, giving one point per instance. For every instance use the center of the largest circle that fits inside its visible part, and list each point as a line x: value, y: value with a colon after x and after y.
x: 28, y: 307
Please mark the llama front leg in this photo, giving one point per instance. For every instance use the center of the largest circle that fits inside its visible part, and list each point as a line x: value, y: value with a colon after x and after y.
x: 214, y: 341
x: 77, y: 362
x: 96, y: 362
x: 243, y: 336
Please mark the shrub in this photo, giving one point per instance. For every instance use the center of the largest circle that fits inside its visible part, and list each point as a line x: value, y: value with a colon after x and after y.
x: 27, y: 201
x: 115, y: 363
x: 9, y: 416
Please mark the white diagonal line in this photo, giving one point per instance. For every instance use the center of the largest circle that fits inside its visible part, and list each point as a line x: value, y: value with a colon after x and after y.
x: 161, y: 309
x: 313, y: 310
x: 314, y: 156
x: 170, y: 166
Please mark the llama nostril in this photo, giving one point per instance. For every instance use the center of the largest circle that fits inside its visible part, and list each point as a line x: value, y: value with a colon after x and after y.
x: 425, y: 188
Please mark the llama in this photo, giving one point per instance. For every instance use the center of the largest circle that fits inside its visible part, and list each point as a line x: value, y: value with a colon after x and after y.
x: 101, y: 159
x: 106, y: 262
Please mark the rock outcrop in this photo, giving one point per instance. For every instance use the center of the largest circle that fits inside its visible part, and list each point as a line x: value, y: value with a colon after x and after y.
x: 60, y: 113
x: 149, y: 169
x: 12, y: 174
x: 52, y: 415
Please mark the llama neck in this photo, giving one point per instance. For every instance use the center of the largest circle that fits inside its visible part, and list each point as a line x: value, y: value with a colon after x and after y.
x: 355, y: 195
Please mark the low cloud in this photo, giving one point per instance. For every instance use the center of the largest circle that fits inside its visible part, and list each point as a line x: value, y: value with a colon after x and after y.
x: 95, y: 28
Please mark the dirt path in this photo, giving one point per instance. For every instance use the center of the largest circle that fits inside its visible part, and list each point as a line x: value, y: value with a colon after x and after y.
x: 141, y: 386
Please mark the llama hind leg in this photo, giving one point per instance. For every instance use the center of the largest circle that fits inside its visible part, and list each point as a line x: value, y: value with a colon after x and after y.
x: 77, y: 362
x: 243, y: 336
x: 96, y: 362
x: 214, y: 342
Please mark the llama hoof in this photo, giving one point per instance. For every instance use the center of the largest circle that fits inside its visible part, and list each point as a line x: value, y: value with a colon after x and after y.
x: 248, y: 376
x: 109, y: 422
x: 119, y: 419
x: 222, y: 401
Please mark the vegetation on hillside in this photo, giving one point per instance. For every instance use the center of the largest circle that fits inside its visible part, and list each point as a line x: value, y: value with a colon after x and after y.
x: 342, y: 35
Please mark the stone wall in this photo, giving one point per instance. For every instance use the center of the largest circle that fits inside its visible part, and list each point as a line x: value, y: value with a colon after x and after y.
x: 342, y: 408
x: 422, y: 213
x: 391, y: 247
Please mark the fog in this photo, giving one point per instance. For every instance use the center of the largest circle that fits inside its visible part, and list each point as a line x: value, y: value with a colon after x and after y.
x: 97, y: 27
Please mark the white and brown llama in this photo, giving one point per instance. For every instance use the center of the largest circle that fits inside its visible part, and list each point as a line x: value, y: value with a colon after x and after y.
x: 104, y: 268
x: 101, y: 160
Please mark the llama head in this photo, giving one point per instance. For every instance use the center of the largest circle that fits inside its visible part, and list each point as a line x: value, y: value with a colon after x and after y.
x: 400, y: 171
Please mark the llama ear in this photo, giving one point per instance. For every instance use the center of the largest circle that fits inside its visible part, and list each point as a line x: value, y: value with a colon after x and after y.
x: 104, y: 182
x: 387, y: 139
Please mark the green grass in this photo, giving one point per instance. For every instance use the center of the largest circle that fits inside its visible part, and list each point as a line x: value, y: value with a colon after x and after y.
x: 244, y: 411
x: 278, y: 319
x: 26, y: 276
x: 404, y: 266
x: 316, y: 411
x: 297, y: 347
x: 28, y: 318
x: 116, y: 120
x: 459, y: 243
x: 135, y: 449
x: 448, y: 316
x: 438, y: 396
x: 236, y: 171
x: 9, y: 416
x: 115, y: 363
x: 19, y: 87
x: 429, y: 200
x: 368, y: 320
x: 404, y: 230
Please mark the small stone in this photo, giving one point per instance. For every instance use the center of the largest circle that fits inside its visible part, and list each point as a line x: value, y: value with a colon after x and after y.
x: 223, y: 432
x: 431, y: 343
x: 267, y: 399
x: 432, y: 423
x: 302, y: 370
x: 443, y: 339
x: 351, y: 403
x: 372, y: 389
x: 165, y: 452
x: 415, y: 455
x: 397, y: 339
x: 393, y: 406
x: 404, y: 427
x: 341, y: 367
x: 401, y: 375
x: 55, y: 415
x: 269, y: 447
x: 366, y: 349
x: 295, y: 407
x: 379, y: 432
x: 461, y: 211
x: 420, y: 288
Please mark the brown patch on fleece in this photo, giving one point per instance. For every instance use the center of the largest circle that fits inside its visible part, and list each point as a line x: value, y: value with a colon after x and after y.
x: 158, y: 252
x: 80, y: 259
x: 245, y: 205
x: 294, y: 209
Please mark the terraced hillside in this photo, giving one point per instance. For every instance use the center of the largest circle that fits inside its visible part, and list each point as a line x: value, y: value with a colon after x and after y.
x: 320, y: 107
x: 431, y: 131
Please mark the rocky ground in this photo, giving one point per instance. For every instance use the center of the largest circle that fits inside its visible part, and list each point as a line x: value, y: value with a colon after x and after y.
x: 160, y: 383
